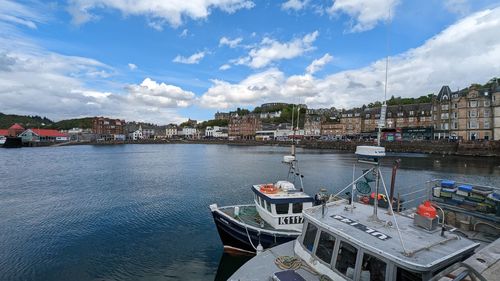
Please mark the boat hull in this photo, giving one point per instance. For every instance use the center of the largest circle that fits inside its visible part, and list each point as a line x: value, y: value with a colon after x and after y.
x: 236, y: 235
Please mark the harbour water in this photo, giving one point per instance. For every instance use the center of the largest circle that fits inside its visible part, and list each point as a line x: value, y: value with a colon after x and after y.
x: 140, y: 212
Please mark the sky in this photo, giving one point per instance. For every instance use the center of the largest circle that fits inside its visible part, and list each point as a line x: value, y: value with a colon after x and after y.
x: 167, y: 61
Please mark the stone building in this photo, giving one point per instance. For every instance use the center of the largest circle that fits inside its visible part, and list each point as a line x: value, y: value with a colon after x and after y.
x: 333, y: 129
x: 465, y: 114
x: 352, y: 121
x: 108, y: 129
x: 244, y: 127
x: 312, y: 125
x: 496, y: 114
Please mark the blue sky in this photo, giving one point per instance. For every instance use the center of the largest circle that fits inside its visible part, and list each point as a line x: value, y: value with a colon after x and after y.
x: 165, y: 61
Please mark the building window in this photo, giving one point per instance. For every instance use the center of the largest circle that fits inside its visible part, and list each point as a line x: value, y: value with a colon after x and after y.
x: 486, y: 103
x: 473, y: 103
x: 444, y: 126
x: 454, y: 125
x: 435, y: 117
x: 455, y: 105
x: 389, y: 114
x: 412, y: 113
x: 444, y: 107
x: 367, y: 116
x: 310, y: 236
x: 454, y: 115
x: 326, y: 243
x: 374, y: 267
x: 400, y: 114
x: 445, y: 115
x: 411, y: 119
x: 487, y: 112
x: 473, y: 124
x: 473, y: 113
x: 346, y: 259
x: 486, y: 124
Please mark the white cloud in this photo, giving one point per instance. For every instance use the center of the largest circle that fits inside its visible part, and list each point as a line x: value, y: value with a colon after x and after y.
x: 231, y: 43
x: 294, y: 5
x: 193, y: 59
x: 364, y: 13
x: 18, y: 14
x: 154, y: 94
x: 173, y: 12
x: 319, y: 63
x: 225, y: 67
x: 132, y: 66
x: 184, y: 33
x: 460, y: 55
x: 271, y: 50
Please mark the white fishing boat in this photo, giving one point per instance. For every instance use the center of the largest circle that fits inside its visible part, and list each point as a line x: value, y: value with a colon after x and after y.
x: 348, y: 240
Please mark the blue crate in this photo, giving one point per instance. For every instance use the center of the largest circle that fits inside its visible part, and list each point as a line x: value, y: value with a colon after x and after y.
x: 447, y: 183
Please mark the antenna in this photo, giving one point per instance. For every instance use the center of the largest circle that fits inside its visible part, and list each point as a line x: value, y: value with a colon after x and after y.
x: 383, y: 108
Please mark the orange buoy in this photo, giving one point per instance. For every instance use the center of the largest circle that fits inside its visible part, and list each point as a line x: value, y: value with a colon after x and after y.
x: 268, y: 188
x: 426, y: 210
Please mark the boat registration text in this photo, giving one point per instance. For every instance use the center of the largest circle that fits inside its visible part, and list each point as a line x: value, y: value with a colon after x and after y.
x: 290, y: 220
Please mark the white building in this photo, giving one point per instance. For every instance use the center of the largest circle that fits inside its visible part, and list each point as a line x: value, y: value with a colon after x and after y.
x: 265, y: 115
x: 288, y: 134
x: 190, y: 133
x: 136, y: 135
x: 216, y: 132
x: 148, y: 133
x: 171, y: 131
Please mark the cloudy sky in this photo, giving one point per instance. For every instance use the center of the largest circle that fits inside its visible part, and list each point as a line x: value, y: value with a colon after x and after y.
x: 165, y: 61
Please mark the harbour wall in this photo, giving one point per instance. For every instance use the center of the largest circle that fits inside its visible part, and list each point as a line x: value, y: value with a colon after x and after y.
x: 476, y: 148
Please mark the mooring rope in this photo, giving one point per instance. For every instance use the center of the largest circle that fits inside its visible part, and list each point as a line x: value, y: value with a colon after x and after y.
x: 294, y: 263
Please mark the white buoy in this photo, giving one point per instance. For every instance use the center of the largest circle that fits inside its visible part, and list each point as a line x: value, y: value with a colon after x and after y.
x: 259, y: 249
x: 236, y: 211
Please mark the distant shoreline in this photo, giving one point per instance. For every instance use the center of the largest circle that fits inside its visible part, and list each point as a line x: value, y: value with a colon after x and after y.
x: 483, y: 149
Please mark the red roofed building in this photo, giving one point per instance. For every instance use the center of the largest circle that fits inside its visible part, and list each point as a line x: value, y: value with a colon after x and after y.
x: 43, y: 135
x: 15, y: 130
x: 4, y: 133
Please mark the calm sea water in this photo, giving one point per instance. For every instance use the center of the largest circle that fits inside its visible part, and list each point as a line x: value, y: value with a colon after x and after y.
x: 140, y: 212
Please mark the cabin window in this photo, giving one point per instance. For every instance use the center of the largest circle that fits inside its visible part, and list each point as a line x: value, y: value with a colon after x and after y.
x: 405, y: 275
x: 281, y: 209
x: 260, y: 202
x: 346, y: 259
x: 268, y: 206
x: 324, y: 251
x: 373, y: 268
x: 310, y: 236
x: 297, y: 208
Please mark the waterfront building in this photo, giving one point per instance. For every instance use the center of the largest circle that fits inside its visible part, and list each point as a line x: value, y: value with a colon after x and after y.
x: 244, y: 127
x: 190, y: 133
x: 137, y: 134
x: 106, y: 128
x: 15, y: 130
x: 148, y: 133
x: 171, y: 131
x: 464, y: 115
x: 332, y: 129
x: 43, y: 135
x: 496, y: 113
x: 312, y: 125
x: 265, y: 135
x: 352, y: 121
x: 216, y: 132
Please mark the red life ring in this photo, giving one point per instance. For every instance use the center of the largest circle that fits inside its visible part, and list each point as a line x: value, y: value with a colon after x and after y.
x: 268, y: 188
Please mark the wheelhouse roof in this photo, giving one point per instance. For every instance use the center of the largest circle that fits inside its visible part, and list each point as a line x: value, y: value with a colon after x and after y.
x: 414, y: 238
x: 283, y: 197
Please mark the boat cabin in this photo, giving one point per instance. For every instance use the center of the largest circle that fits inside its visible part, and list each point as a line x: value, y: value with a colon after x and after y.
x: 281, y: 205
x: 349, y: 245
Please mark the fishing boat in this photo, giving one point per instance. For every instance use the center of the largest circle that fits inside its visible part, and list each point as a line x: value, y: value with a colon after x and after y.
x: 348, y: 240
x: 275, y: 217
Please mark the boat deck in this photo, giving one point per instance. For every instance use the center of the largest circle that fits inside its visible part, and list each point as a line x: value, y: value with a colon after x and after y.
x: 424, y: 249
x: 260, y: 267
x: 248, y: 215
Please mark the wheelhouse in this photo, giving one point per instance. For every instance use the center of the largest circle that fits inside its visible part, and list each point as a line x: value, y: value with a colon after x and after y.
x: 343, y: 258
x: 283, y: 208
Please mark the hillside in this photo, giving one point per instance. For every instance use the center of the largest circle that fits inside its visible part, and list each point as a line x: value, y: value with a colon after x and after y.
x: 7, y: 120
